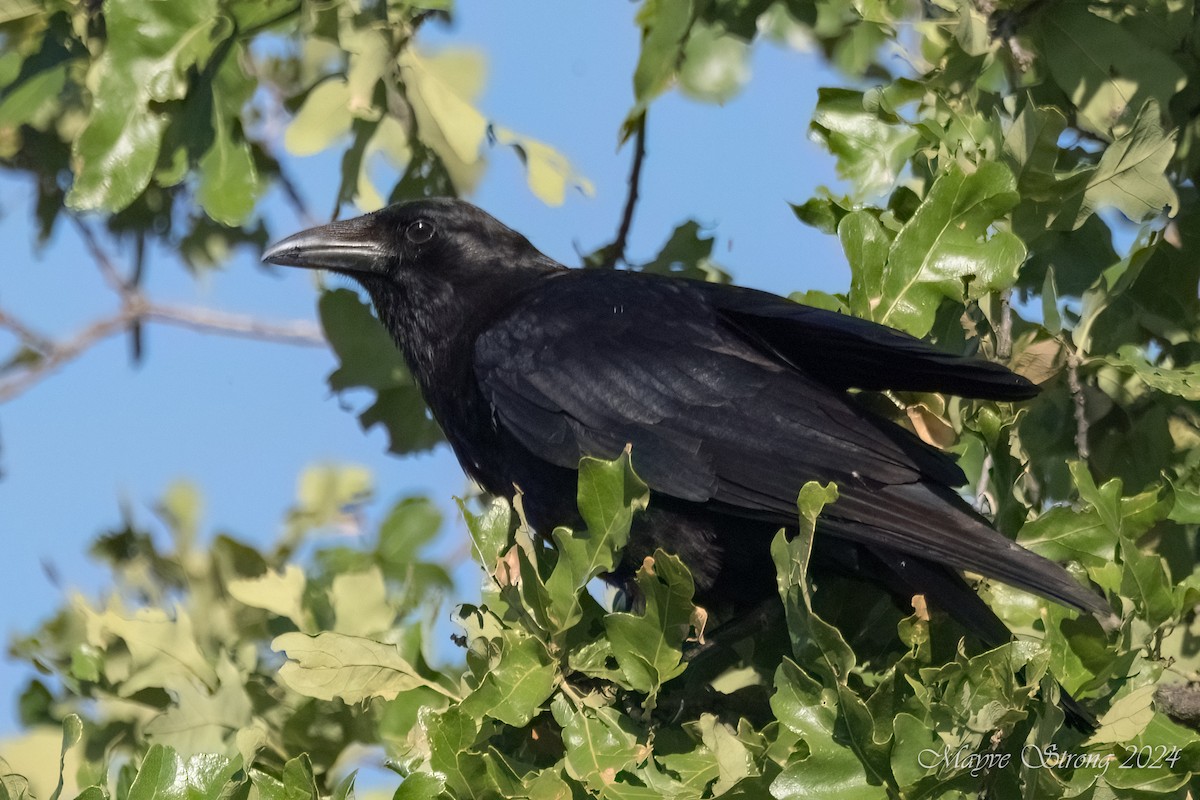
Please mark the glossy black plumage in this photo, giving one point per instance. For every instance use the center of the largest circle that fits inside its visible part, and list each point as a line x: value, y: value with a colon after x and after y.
x: 731, y: 398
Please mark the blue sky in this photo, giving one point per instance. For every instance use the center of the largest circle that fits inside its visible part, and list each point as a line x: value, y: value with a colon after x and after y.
x: 242, y: 418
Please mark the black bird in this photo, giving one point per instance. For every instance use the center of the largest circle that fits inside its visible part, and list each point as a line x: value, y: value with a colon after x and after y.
x: 731, y: 399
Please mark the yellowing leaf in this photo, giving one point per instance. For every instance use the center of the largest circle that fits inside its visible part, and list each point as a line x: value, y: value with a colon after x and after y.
x: 1127, y: 718
x: 547, y: 170
x: 199, y: 721
x: 159, y: 645
x: 350, y: 668
x: 324, y: 117
x: 446, y: 119
x: 279, y: 593
x: 359, y: 601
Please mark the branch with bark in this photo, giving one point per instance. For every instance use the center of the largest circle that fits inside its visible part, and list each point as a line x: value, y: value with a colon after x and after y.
x: 615, y: 252
x: 37, y: 356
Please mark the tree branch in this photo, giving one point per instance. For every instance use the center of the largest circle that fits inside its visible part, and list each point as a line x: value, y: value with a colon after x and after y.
x: 206, y: 320
x: 107, y: 269
x: 1081, y: 423
x: 616, y: 251
x: 59, y: 354
x: 137, y: 309
x: 29, y: 337
x: 291, y: 190
x: 1004, y: 332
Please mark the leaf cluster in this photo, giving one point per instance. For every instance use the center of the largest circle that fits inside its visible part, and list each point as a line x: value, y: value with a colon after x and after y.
x: 226, y: 672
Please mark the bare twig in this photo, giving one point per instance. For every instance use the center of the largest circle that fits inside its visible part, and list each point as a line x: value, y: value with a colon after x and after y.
x: 1081, y: 423
x: 137, y: 309
x: 291, y: 190
x: 616, y: 251
x: 28, y: 336
x: 61, y: 353
x: 107, y: 269
x: 1004, y: 332
x: 206, y: 320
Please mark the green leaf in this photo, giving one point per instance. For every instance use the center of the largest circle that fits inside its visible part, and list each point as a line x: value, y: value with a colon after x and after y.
x: 489, y: 531
x: 149, y: 50
x: 734, y: 760
x: 1131, y: 176
x: 229, y: 186
x: 871, y: 146
x: 350, y: 668
x: 420, y: 786
x: 1182, y: 382
x: 1185, y: 508
x: 598, y: 742
x: 944, y: 250
x: 450, y: 737
x: 34, y: 98
x: 716, y: 65
x: 411, y: 524
x: 159, y: 647
x: 649, y: 646
x: 161, y: 776
x: 16, y: 9
x: 198, y: 723
x: 441, y: 90
x: 72, y: 731
x: 323, y: 493
x: 1106, y: 71
x: 181, y: 508
x: 1062, y: 534
x: 370, y: 51
x: 1051, y: 318
x: 1147, y: 581
x: 299, y: 782
x: 665, y: 25
x: 826, y: 769
x: 369, y: 358
x: 516, y: 683
x: 822, y: 213
x: 610, y: 492
x: 866, y: 245
x: 687, y: 254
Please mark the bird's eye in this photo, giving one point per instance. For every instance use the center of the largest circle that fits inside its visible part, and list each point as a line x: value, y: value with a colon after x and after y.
x: 420, y: 231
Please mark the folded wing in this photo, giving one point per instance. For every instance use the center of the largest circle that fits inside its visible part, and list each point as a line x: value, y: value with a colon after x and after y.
x: 714, y: 416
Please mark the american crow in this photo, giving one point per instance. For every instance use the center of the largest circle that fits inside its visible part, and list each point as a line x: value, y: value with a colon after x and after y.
x: 731, y: 399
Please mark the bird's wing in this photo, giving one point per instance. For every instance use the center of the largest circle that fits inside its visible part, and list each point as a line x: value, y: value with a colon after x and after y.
x: 844, y: 351
x: 588, y: 364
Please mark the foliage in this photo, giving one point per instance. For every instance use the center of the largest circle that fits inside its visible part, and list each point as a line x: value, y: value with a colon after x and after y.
x: 1020, y: 185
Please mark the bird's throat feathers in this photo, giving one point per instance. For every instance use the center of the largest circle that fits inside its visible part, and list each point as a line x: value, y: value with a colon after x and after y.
x: 434, y: 321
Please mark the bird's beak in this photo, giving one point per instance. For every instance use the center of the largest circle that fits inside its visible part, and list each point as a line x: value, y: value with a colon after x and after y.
x: 350, y: 245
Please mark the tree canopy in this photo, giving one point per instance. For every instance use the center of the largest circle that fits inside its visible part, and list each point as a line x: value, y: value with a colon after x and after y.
x: 1019, y: 183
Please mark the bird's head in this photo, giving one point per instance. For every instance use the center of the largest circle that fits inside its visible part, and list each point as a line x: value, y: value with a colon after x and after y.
x: 440, y: 240
x: 435, y: 270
